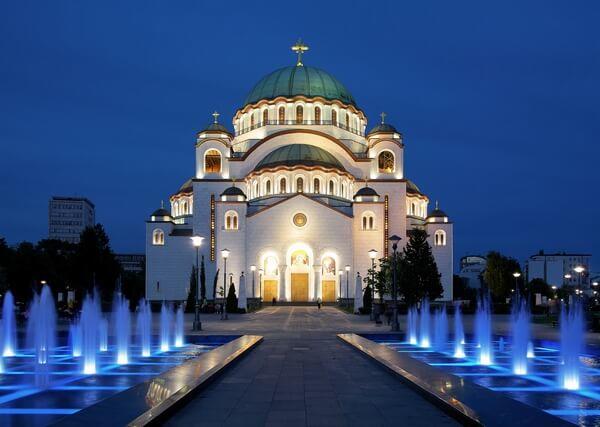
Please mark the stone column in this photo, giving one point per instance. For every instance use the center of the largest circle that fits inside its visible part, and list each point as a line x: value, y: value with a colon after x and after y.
x: 318, y: 293
x: 283, y: 296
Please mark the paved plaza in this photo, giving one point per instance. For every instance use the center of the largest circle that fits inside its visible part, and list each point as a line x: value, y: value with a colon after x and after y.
x: 296, y: 377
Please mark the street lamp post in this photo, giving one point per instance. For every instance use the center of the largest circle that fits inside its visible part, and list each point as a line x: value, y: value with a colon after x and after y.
x: 516, y: 275
x: 373, y: 255
x: 340, y: 272
x: 395, y: 325
x: 225, y: 255
x: 197, y: 325
x: 579, y: 270
x: 260, y: 284
x: 347, y: 280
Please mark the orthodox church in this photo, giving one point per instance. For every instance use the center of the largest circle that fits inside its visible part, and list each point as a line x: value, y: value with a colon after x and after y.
x: 296, y: 197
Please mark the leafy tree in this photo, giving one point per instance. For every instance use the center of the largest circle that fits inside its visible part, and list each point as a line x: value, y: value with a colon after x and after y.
x: 367, y: 299
x: 6, y: 256
x: 498, y: 276
x: 191, y: 299
x: 232, y: 301
x: 418, y: 273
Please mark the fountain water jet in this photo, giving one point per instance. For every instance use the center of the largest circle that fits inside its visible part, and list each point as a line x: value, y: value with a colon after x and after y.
x: 440, y: 329
x: 413, y: 320
x: 165, y: 327
x: 459, y: 334
x: 41, y: 333
x: 144, y: 326
x: 122, y: 325
x: 424, y: 325
x: 90, y: 322
x: 571, y: 334
x: 520, y: 342
x: 75, y: 338
x: 179, y: 327
x: 530, y: 350
x: 9, y: 326
x: 102, y: 334
x: 483, y: 328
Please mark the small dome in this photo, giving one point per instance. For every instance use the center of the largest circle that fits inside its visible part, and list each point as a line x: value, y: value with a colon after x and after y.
x: 383, y: 128
x: 437, y: 212
x: 161, y: 212
x: 299, y: 154
x: 217, y: 128
x: 233, y: 191
x: 366, y: 191
x: 186, y: 187
x: 411, y: 187
x: 299, y: 80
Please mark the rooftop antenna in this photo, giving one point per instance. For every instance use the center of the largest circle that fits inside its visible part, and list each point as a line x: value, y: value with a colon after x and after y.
x: 299, y: 48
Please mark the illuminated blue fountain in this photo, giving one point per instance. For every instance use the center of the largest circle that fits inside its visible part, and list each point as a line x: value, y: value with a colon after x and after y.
x: 9, y: 326
x: 459, y: 334
x: 41, y: 327
x: 571, y: 334
x: 144, y: 327
x: 102, y: 334
x: 440, y: 329
x: 520, y: 336
x: 425, y: 325
x: 75, y: 338
x: 165, y: 327
x: 412, y: 325
x: 483, y: 331
x: 122, y: 328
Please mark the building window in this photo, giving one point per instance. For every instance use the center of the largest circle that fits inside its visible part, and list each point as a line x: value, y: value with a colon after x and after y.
x: 299, y: 114
x: 331, y: 187
x: 347, y: 120
x: 212, y: 161
x: 281, y: 115
x: 368, y: 221
x: 334, y: 117
x: 343, y: 191
x: 268, y: 187
x: 299, y: 185
x: 158, y: 237
x: 255, y: 188
x: 300, y: 220
x: 231, y: 220
x: 385, y: 162
x: 265, y: 117
x: 282, y: 186
x: 439, y: 238
x: 317, y: 185
x: 318, y: 115
x: 252, y: 120
x: 413, y: 208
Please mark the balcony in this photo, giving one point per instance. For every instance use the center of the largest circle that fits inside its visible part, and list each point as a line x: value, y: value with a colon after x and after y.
x: 300, y: 123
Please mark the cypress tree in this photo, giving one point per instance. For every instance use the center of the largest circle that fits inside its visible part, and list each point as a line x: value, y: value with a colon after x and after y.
x: 419, y: 275
x: 191, y: 299
x: 202, y: 281
x: 232, y: 301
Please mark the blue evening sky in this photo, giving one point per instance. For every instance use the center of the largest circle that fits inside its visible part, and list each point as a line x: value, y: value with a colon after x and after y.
x: 498, y: 103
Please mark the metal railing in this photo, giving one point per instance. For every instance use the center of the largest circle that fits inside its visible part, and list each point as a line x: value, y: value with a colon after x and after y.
x: 303, y: 123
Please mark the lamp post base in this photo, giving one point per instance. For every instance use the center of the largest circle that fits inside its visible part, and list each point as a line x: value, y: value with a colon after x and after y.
x: 197, y: 325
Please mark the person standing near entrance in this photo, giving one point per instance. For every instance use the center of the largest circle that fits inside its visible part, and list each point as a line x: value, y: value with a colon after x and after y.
x: 319, y: 302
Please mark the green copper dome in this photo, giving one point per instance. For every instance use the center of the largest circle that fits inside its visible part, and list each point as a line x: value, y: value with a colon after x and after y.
x: 299, y: 154
x: 299, y: 80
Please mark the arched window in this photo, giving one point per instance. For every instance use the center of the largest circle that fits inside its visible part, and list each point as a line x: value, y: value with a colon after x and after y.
x: 413, y: 208
x: 231, y: 220
x: 282, y: 186
x: 347, y: 120
x: 265, y: 117
x: 343, y: 192
x: 212, y: 161
x: 385, y: 162
x: 184, y: 208
x: 299, y: 114
x: 299, y: 184
x: 252, y: 120
x: 331, y: 187
x: 318, y: 115
x: 368, y: 221
x: 281, y: 115
x: 255, y: 188
x: 439, y: 238
x: 334, y: 117
x: 317, y: 185
x: 268, y: 187
x: 158, y: 237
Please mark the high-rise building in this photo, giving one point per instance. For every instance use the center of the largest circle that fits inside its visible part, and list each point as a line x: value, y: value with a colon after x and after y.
x: 68, y: 217
x: 472, y: 268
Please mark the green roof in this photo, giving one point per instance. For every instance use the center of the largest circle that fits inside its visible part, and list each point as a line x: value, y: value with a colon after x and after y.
x: 299, y: 154
x: 299, y: 80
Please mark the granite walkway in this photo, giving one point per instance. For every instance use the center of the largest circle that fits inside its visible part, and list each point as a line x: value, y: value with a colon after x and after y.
x: 302, y: 375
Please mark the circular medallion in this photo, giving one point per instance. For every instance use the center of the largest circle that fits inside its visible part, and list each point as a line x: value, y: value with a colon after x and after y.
x: 299, y: 220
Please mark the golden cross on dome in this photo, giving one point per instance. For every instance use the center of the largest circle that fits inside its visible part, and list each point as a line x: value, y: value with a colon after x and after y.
x: 382, y: 115
x: 299, y: 48
x: 216, y: 116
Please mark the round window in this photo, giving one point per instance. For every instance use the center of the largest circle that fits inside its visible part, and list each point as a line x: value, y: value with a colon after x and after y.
x: 300, y: 220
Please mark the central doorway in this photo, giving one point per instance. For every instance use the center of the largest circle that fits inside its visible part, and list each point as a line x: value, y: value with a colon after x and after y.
x: 328, y: 290
x: 299, y: 287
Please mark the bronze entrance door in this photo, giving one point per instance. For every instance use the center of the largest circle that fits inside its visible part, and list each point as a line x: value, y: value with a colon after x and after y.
x: 299, y: 287
x: 328, y: 290
x: 270, y: 290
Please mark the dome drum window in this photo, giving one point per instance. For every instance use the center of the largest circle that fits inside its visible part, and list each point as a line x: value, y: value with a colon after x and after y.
x: 212, y: 161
